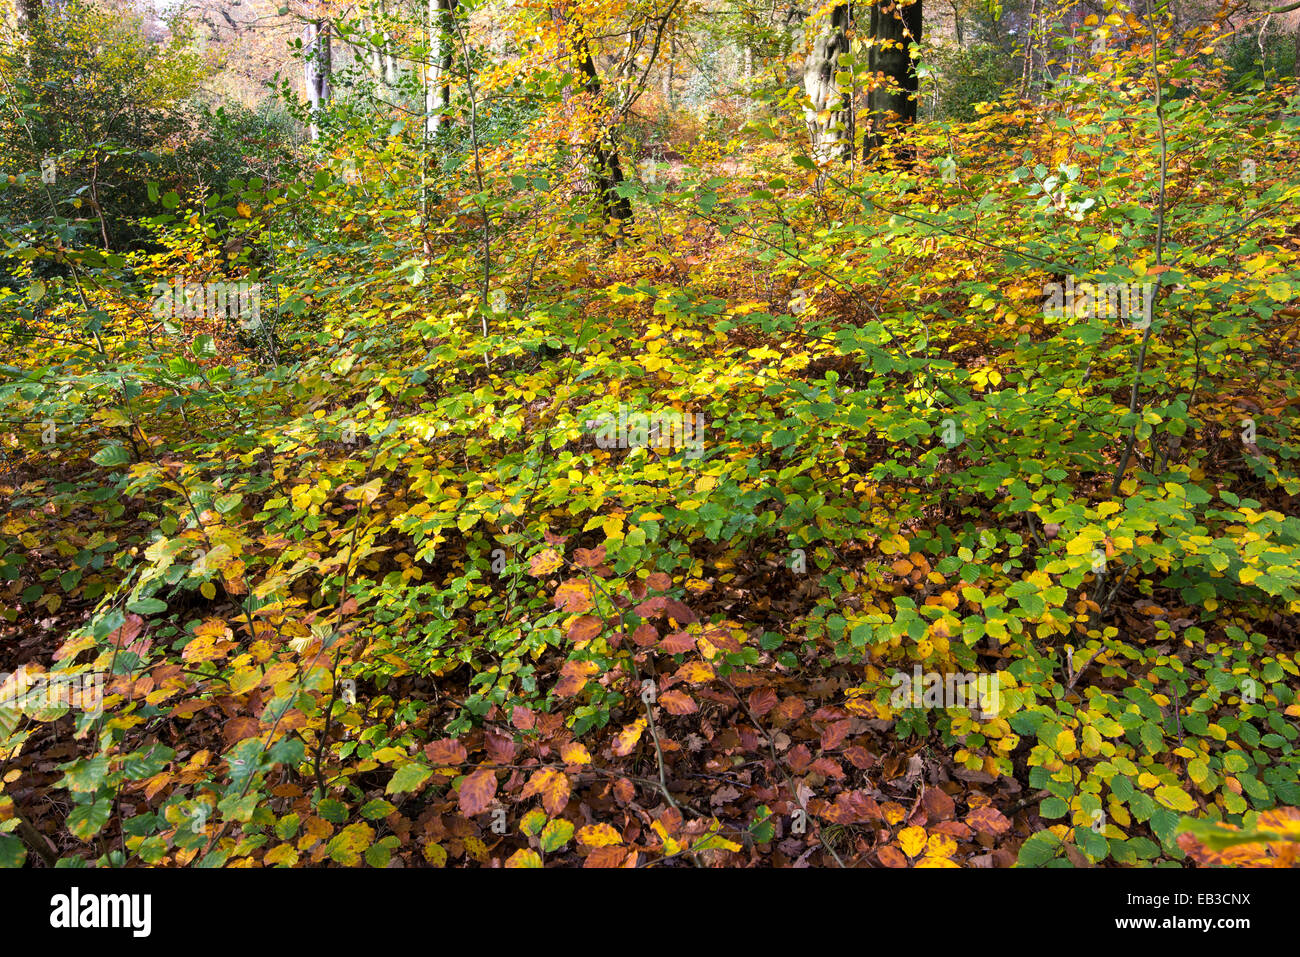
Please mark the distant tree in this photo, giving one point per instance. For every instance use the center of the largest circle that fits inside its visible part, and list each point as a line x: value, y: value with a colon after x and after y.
x: 891, y: 28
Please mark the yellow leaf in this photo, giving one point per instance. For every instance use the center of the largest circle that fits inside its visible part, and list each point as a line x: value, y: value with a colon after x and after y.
x: 912, y: 840
x: 544, y: 562
x: 695, y: 672
x: 940, y: 845
x: 1175, y: 798
x: 575, y: 753
x: 524, y: 857
x: 670, y: 846
x: 598, y: 835
x: 282, y: 854
x: 893, y: 812
x: 628, y: 737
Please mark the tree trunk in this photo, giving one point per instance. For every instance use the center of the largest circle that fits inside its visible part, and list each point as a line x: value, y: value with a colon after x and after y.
x: 317, y: 70
x: 382, y: 61
x: 607, y: 168
x: 29, y: 13
x: 29, y: 21
x: 437, y: 88
x: 891, y: 103
x: 830, y: 116
x: 671, y: 98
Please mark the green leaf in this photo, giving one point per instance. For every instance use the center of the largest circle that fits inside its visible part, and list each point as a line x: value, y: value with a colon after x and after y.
x: 376, y: 809
x: 1165, y: 823
x: 85, y: 775
x: 111, y: 455
x: 146, y: 606
x: 12, y: 851
x: 332, y: 810
x: 1175, y: 798
x: 1038, y: 850
x: 555, y: 835
x: 86, y: 820
x: 1053, y: 807
x: 1094, y: 844
x: 763, y: 827
x: 408, y: 778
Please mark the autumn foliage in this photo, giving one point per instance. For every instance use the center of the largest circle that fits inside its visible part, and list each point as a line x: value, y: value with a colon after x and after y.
x: 368, y: 584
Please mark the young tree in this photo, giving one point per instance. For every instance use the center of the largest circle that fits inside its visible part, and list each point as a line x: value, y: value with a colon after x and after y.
x: 383, y: 61
x: 437, y: 87
x: 607, y: 168
x: 318, y: 68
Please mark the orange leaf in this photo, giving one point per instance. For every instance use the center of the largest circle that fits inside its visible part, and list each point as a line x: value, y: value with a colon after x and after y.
x: 544, y: 562
x: 574, y: 596
x: 574, y: 676
x: 645, y: 635
x: 628, y: 737
x: 677, y: 643
x: 988, y: 820
x: 446, y: 751
x: 761, y: 701
x: 891, y: 856
x: 678, y: 703
x: 599, y: 835
x: 611, y: 856
x: 583, y: 629
x: 477, y: 791
x: 553, y: 786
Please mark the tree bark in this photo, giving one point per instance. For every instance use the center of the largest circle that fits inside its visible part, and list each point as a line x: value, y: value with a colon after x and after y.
x: 891, y: 103
x: 830, y: 115
x: 607, y: 168
x: 437, y: 88
x: 317, y: 66
x: 29, y: 13
x: 382, y: 61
